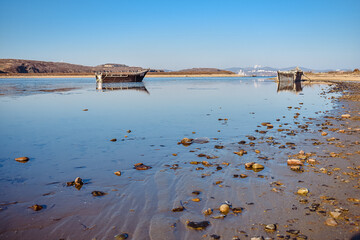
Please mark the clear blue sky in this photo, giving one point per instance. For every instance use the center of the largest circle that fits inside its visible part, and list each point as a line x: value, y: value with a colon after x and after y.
x: 181, y: 34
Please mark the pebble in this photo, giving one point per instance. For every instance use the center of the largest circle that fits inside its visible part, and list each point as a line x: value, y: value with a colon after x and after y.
x: 98, y: 193
x: 208, y: 211
x: 196, y: 200
x: 292, y: 231
x: 303, y: 191
x: 224, y: 208
x: 294, y: 162
x: 196, y: 192
x: 198, y: 225
x: 117, y: 173
x: 335, y: 214
x: 270, y: 227
x: 249, y: 164
x: 36, y: 207
x: 243, y: 175
x: 178, y: 209
x: 311, y: 161
x: 296, y: 168
x: 113, y: 140
x: 345, y: 115
x: 257, y: 238
x: 22, y: 159
x: 257, y: 166
x: 331, y: 222
x: 141, y: 166
x: 121, y: 236
x: 186, y: 141
x: 324, y: 134
x: 78, y: 181
x: 85, y: 110
x: 214, y: 236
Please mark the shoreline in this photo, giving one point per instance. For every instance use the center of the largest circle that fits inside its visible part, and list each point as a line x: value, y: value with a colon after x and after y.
x: 147, y: 76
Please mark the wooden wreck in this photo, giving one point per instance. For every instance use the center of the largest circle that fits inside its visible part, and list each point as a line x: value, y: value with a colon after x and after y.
x: 293, y: 75
x: 113, y: 77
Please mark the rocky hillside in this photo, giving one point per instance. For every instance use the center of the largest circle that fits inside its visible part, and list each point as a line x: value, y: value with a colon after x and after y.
x: 31, y: 66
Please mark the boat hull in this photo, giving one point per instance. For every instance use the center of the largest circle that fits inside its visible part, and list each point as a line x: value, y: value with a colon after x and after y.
x: 289, y: 76
x: 120, y: 77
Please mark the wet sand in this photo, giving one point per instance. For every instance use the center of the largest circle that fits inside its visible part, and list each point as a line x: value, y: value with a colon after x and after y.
x: 142, y: 208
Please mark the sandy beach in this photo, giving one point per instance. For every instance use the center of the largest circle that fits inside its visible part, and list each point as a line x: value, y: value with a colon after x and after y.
x: 293, y: 177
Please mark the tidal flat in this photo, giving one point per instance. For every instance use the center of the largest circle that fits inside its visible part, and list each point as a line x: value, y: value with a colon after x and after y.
x: 179, y: 158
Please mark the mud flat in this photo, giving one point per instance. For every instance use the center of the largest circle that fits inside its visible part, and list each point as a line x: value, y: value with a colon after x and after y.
x: 285, y: 172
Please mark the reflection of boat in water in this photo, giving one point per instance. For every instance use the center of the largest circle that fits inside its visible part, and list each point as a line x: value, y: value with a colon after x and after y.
x: 290, y: 80
x: 110, y: 77
x: 289, y: 86
x: 137, y: 86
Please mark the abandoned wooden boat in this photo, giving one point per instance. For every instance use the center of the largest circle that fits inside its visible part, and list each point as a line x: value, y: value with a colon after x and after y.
x: 293, y: 75
x: 112, y: 77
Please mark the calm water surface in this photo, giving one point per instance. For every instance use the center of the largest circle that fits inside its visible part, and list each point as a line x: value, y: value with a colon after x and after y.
x: 64, y: 142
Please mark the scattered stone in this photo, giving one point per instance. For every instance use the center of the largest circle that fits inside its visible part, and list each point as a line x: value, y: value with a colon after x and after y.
x: 78, y: 183
x: 257, y: 151
x: 198, y: 225
x: 294, y: 162
x: 241, y: 152
x: 141, y: 166
x: 257, y: 166
x: 208, y: 211
x: 237, y: 210
x: 98, y: 193
x: 221, y: 216
x: 303, y: 191
x: 85, y: 110
x: 331, y: 222
x: 113, y: 140
x: 292, y: 231
x: 257, y: 238
x: 335, y: 214
x: 196, y: 192
x: 219, y: 146
x: 128, y: 131
x: 117, y: 173
x: 311, y: 161
x: 196, y: 200
x: 36, y: 207
x: 324, y: 134
x: 186, y: 141
x: 270, y: 227
x: 121, y: 236
x: 22, y: 159
x: 214, y: 236
x: 314, y: 206
x: 249, y: 164
x: 346, y: 116
x: 243, y: 175
x: 296, y: 168
x: 224, y: 208
x: 178, y: 209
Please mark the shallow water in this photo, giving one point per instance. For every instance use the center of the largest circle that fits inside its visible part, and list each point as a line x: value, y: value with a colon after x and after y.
x: 64, y: 142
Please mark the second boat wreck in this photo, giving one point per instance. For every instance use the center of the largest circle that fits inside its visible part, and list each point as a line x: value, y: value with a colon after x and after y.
x: 293, y: 75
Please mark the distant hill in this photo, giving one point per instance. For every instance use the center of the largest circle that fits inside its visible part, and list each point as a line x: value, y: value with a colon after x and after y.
x: 32, y: 66
x: 215, y: 70
x: 269, y: 71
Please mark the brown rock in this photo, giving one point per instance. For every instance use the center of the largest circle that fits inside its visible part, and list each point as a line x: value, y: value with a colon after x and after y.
x: 294, y: 162
x: 331, y: 222
x: 22, y: 159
